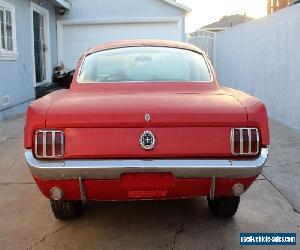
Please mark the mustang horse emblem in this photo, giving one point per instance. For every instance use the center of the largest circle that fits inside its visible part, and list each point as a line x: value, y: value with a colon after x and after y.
x: 147, y: 140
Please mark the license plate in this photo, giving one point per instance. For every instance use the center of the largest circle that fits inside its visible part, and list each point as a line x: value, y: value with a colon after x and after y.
x: 147, y: 181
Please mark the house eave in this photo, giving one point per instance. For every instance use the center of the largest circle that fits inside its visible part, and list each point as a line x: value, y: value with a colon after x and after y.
x: 214, y: 29
x: 62, y: 3
x: 178, y: 5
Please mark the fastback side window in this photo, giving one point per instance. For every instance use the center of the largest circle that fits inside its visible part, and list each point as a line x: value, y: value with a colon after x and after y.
x: 144, y: 64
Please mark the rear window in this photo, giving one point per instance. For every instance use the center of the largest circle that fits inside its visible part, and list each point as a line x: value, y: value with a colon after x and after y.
x: 144, y: 64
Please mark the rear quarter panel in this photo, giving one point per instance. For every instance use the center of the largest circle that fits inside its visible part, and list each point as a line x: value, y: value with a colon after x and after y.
x: 36, y: 115
x: 257, y: 115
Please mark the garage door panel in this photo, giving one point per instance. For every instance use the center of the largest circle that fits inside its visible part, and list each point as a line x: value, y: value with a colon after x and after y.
x: 73, y: 50
x: 78, y: 38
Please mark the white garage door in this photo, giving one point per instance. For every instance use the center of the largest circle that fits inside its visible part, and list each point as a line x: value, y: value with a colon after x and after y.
x: 74, y: 39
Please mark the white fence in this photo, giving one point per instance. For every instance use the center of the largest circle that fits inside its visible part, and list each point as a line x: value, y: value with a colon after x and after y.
x: 262, y: 57
x: 205, y: 40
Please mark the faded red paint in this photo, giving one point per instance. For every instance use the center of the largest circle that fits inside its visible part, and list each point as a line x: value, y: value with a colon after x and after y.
x: 95, y: 116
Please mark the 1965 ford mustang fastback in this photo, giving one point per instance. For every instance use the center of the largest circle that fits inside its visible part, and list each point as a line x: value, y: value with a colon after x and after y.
x: 145, y: 119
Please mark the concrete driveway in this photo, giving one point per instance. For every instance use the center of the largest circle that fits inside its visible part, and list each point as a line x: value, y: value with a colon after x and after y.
x: 26, y: 220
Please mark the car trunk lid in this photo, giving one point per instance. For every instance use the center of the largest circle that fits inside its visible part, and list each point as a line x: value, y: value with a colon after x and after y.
x: 126, y: 110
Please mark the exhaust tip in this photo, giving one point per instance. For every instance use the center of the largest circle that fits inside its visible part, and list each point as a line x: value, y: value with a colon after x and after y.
x: 56, y: 193
x: 238, y: 189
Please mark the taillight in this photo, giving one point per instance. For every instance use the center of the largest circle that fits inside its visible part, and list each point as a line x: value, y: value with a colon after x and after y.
x: 244, y: 141
x: 49, y: 144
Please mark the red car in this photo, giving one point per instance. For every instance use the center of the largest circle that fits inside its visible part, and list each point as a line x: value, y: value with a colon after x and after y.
x: 145, y: 119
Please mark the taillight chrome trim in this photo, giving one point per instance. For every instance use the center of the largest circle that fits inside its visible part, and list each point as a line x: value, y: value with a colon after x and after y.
x: 249, y: 140
x: 53, y: 133
x: 242, y: 141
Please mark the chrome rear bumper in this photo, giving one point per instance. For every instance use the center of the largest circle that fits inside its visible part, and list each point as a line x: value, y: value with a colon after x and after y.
x: 112, y: 169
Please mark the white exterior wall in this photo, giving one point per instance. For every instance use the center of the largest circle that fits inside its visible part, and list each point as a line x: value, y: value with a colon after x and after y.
x: 116, y: 9
x: 262, y: 58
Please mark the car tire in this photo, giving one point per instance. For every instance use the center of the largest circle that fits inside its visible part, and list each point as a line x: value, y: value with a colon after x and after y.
x: 66, y: 210
x: 224, y: 206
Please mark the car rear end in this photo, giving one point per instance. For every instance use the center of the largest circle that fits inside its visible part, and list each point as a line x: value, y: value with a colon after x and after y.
x: 142, y: 140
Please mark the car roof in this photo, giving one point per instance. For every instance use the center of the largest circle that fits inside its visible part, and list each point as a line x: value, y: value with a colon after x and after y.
x: 141, y: 43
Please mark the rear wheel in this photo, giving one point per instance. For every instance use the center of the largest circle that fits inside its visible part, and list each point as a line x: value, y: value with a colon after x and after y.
x: 66, y: 210
x: 224, y: 206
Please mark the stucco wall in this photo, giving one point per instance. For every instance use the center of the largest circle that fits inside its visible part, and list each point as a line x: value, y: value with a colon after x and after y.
x: 262, y: 57
x: 125, y: 9
x: 16, y: 77
x: 116, y: 9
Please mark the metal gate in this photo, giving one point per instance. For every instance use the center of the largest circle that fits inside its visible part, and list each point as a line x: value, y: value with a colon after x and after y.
x: 205, y: 40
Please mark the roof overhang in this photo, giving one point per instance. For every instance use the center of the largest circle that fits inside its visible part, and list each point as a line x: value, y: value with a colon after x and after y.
x: 178, y: 5
x: 62, y: 3
x: 214, y: 29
